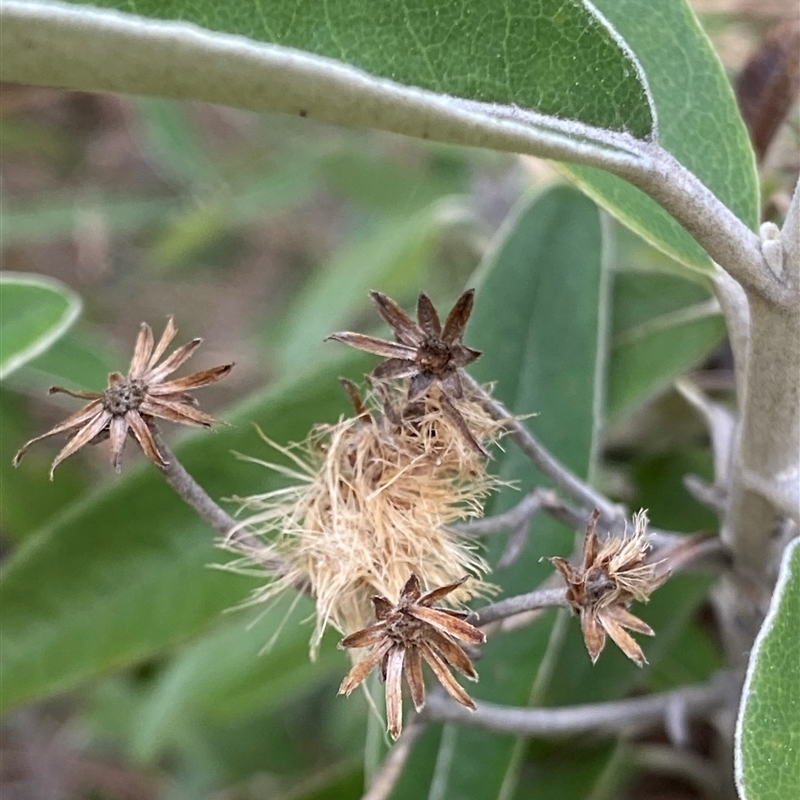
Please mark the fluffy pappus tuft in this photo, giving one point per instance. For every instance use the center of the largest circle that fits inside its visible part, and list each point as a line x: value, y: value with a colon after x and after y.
x: 371, y: 501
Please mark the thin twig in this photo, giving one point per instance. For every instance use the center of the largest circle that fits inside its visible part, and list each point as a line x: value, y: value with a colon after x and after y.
x: 540, y: 499
x: 519, y: 604
x: 522, y: 512
x: 547, y: 501
x: 386, y: 777
x: 687, y: 551
x: 615, y: 717
x: 562, y: 477
x: 194, y: 495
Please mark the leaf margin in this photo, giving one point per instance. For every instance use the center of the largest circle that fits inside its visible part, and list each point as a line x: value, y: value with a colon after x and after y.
x: 68, y: 318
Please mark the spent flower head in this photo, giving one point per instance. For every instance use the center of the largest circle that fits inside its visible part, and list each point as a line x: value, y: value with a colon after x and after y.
x: 426, y: 351
x: 611, y: 576
x: 407, y: 633
x: 371, y: 502
x: 130, y: 403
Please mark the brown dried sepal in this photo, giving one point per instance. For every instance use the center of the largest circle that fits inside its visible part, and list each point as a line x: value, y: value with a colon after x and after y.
x: 406, y: 634
x: 426, y: 351
x: 610, y: 578
x: 130, y: 403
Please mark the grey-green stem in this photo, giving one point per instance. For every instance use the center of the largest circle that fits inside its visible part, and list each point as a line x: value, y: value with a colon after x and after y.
x: 622, y: 716
x: 762, y: 480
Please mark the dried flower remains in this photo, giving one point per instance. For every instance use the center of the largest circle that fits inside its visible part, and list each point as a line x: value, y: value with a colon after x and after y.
x: 130, y: 404
x: 406, y: 634
x: 610, y: 578
x: 371, y: 502
x: 427, y: 353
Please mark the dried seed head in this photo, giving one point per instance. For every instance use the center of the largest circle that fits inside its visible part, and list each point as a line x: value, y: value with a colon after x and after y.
x: 428, y: 353
x: 612, y: 576
x: 407, y: 633
x: 129, y: 405
x: 371, y: 504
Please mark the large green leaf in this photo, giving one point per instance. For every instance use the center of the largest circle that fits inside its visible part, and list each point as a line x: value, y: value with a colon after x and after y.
x: 558, y: 58
x: 698, y: 122
x: 35, y: 311
x: 568, y: 771
x: 123, y: 574
x: 662, y: 325
x: 539, y: 319
x: 768, y: 728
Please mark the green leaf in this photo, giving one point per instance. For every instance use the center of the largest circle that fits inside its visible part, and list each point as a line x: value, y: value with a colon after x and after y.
x: 35, y: 311
x: 698, y: 122
x: 768, y: 727
x: 81, y: 359
x: 571, y: 771
x: 658, y: 478
x: 346, y: 783
x: 546, y: 55
x: 123, y: 574
x: 480, y: 68
x: 353, y: 63
x: 539, y: 320
x: 662, y: 326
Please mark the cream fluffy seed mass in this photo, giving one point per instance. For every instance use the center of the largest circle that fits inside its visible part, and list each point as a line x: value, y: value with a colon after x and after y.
x: 370, y: 504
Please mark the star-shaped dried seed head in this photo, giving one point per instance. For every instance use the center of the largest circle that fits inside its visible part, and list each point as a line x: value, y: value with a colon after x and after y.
x: 611, y: 576
x: 407, y: 633
x: 426, y: 351
x: 130, y: 404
